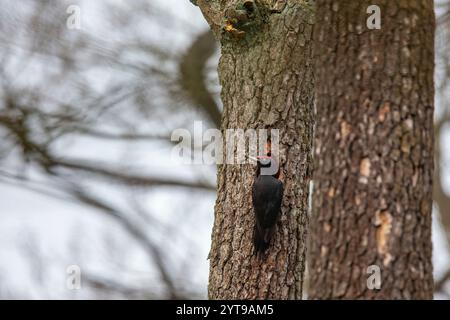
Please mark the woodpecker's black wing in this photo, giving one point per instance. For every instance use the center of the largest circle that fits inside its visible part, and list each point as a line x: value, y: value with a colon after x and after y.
x: 267, y: 197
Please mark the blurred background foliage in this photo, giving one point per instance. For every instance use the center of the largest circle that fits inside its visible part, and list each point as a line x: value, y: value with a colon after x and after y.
x: 86, y: 176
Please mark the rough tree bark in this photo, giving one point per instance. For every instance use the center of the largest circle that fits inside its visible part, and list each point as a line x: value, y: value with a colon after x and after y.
x: 374, y: 150
x: 267, y: 82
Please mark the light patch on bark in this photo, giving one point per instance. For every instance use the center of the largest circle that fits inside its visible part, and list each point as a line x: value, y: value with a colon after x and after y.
x: 364, y: 170
x: 384, y: 111
x: 345, y: 129
x: 323, y: 251
x: 365, y: 167
x: 331, y: 192
x: 409, y: 124
x: 383, y: 221
x: 415, y: 178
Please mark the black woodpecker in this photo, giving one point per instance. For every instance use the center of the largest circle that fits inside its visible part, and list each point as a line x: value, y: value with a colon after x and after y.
x: 267, y: 196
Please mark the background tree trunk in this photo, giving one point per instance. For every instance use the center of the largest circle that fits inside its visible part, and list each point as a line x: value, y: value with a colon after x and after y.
x: 267, y: 82
x: 374, y: 150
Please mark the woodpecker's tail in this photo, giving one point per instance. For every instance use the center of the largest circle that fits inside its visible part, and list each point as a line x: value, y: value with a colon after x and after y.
x: 261, y: 239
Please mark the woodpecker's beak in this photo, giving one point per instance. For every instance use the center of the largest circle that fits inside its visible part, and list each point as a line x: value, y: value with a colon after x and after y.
x: 253, y: 158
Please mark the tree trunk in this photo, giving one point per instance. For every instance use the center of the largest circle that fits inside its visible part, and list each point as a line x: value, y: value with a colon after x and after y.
x: 372, y: 196
x: 267, y: 82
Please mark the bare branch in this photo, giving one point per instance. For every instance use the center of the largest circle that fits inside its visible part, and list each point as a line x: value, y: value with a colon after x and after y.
x: 120, y: 136
x: 441, y: 199
x: 439, y: 284
x: 136, y: 232
x: 193, y: 78
x: 137, y: 180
